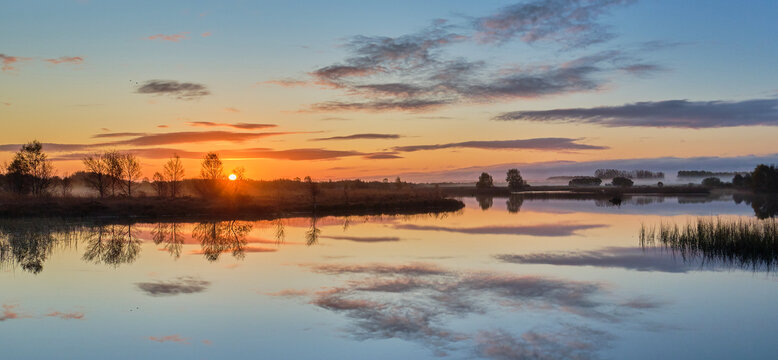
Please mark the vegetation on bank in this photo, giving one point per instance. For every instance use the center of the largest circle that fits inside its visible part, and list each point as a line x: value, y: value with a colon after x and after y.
x: 745, y: 243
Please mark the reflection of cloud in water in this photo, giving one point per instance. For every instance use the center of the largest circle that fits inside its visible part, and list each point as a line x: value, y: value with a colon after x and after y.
x: 573, y: 342
x: 181, y: 285
x: 631, y: 258
x: 367, y: 239
x: 9, y: 312
x: 169, y: 338
x: 532, y: 230
x: 245, y: 249
x: 413, y: 302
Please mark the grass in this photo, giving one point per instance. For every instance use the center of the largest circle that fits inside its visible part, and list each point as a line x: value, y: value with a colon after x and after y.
x: 744, y: 243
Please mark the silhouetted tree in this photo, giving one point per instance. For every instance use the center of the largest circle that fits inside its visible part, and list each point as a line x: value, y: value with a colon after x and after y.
x: 622, y: 182
x: 313, y: 189
x: 585, y: 181
x: 97, y: 173
x: 159, y: 184
x: 485, y: 181
x: 515, y: 182
x: 212, y: 173
x: 114, y: 168
x: 65, y: 185
x: 398, y: 183
x: 174, y: 174
x: 30, y: 171
x: 742, y: 180
x: 130, y: 172
x: 765, y: 178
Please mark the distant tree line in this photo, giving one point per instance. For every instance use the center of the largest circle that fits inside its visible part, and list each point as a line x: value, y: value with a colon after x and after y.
x: 512, y: 177
x: 629, y: 174
x: 703, y: 173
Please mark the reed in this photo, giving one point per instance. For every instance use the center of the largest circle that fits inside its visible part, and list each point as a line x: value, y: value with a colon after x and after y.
x: 743, y: 243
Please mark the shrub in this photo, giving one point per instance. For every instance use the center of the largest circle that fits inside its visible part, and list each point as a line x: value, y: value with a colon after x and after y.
x: 585, y: 181
x: 622, y: 182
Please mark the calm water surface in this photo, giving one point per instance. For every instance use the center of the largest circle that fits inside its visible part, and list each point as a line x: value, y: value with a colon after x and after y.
x: 502, y: 279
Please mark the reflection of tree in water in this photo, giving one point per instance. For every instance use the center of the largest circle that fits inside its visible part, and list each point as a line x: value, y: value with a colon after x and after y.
x: 312, y: 235
x: 170, y: 235
x: 280, y: 231
x: 111, y: 245
x: 765, y: 206
x: 217, y: 237
x: 514, y: 203
x: 485, y: 202
x: 29, y: 244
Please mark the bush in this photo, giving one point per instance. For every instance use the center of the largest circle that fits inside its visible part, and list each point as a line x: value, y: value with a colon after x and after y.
x: 712, y: 182
x: 585, y: 181
x: 622, y: 182
x: 485, y: 181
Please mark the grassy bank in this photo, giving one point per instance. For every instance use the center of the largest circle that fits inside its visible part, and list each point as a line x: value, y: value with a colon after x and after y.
x: 235, y: 207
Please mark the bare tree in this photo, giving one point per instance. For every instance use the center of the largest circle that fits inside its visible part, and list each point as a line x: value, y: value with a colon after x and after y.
x: 174, y: 174
x: 211, y: 172
x: 66, y: 185
x: 97, y: 169
x: 114, y: 168
x: 160, y: 185
x: 130, y: 171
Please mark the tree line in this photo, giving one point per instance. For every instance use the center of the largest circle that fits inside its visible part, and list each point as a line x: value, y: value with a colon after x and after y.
x: 512, y: 177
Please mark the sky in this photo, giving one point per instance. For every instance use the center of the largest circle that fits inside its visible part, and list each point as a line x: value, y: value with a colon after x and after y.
x: 355, y: 89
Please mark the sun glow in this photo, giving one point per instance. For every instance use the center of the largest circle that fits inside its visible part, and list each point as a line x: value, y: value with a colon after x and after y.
x: 232, y: 177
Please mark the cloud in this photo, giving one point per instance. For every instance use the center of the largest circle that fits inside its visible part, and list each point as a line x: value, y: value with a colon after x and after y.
x: 67, y: 316
x: 572, y: 342
x: 180, y: 285
x: 66, y: 60
x: 570, y: 22
x: 169, y: 338
x: 191, y: 137
x: 549, y: 230
x: 612, y: 257
x: 172, y: 37
x: 380, y: 105
x: 288, y: 83
x: 413, y: 269
x: 119, y: 134
x: 206, y: 34
x: 670, y: 113
x: 163, y: 153
x: 231, y: 109
x: 367, y: 239
x: 360, y: 137
x: 533, y: 144
x: 179, y: 90
x: 383, y: 156
x: 243, y: 126
x: 9, y: 313
x: 8, y: 61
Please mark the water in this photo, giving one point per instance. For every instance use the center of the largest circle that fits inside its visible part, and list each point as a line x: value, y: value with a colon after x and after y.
x: 532, y: 279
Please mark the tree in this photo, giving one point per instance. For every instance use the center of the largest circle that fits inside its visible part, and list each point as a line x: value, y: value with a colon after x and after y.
x: 515, y: 182
x: 97, y: 170
x: 398, y: 183
x: 585, y: 181
x: 212, y: 172
x: 30, y: 171
x: 742, y: 180
x: 114, y: 168
x: 622, y: 182
x: 65, y: 185
x: 765, y: 178
x: 712, y: 182
x: 159, y: 184
x: 485, y: 181
x: 174, y: 174
x: 130, y: 171
x: 313, y: 188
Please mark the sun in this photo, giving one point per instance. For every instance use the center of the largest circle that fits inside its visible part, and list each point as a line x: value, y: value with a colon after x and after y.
x: 232, y: 177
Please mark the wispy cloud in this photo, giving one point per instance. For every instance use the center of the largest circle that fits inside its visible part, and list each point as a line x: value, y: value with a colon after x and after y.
x: 67, y: 316
x: 9, y: 61
x: 366, y: 239
x: 170, y: 338
x: 574, y: 23
x: 524, y: 144
x: 66, y: 60
x: 289, y: 83
x: 9, y: 312
x: 243, y: 126
x: 179, y: 90
x: 231, y: 109
x: 670, y: 113
x: 368, y: 136
x: 117, y: 134
x: 181, y: 285
x: 383, y: 156
x: 172, y: 37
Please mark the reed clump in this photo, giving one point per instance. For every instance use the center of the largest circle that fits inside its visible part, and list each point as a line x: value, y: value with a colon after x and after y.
x: 741, y: 242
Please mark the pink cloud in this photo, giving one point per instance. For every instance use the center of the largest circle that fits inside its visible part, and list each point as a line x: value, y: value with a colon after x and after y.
x: 231, y: 109
x: 9, y: 61
x: 206, y: 34
x: 67, y: 316
x: 170, y: 338
x: 174, y: 37
x: 9, y: 313
x: 66, y: 60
